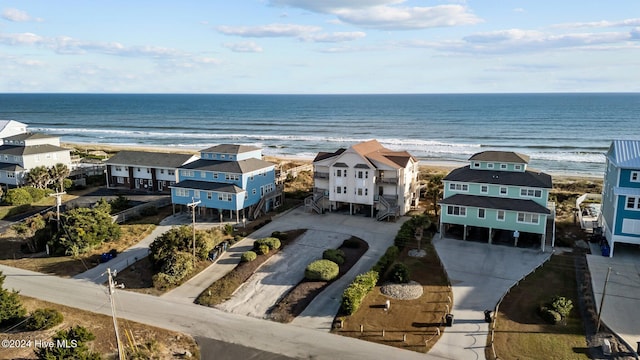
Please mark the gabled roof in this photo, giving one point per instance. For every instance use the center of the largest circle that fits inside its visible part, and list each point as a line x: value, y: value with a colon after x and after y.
x: 236, y: 167
x: 528, y: 178
x: 501, y: 156
x: 30, y: 150
x: 10, y: 167
x: 373, y: 151
x: 207, y: 186
x: 489, y: 202
x: 625, y: 153
x: 30, y: 136
x: 230, y: 149
x: 325, y: 155
x: 148, y: 159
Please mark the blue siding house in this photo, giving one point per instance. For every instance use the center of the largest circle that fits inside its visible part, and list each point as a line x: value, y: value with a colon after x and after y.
x: 621, y: 194
x: 496, y: 199
x: 228, y: 177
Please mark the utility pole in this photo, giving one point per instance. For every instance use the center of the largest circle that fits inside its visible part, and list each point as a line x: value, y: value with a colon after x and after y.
x: 112, y: 288
x: 193, y: 205
x: 58, y: 196
x: 604, y: 290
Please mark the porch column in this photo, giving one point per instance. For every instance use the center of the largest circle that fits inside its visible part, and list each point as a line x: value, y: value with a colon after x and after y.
x: 220, y: 214
x: 464, y: 232
x: 441, y: 229
x: 611, y: 248
x: 372, y: 211
x: 490, y: 233
x: 238, y: 216
x: 350, y: 209
x: 542, y: 238
x: 173, y: 208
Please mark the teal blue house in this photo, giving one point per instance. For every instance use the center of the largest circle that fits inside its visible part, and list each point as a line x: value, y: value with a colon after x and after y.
x: 620, y: 211
x: 227, y: 179
x: 497, y: 199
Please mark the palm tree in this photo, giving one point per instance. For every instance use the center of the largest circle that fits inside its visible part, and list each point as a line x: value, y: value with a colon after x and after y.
x: 434, y: 190
x: 39, y: 177
x: 59, y: 172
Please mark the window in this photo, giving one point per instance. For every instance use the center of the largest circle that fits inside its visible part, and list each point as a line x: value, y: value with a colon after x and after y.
x: 503, y: 166
x: 182, y: 192
x: 338, y: 189
x: 229, y: 176
x: 120, y: 180
x: 161, y: 171
x: 500, y: 215
x: 489, y: 165
x: 518, y: 167
x: 635, y: 176
x: 528, y: 218
x: 209, y: 195
x: 223, y: 156
x: 224, y: 197
x: 633, y: 203
x: 530, y: 193
x: 359, y: 192
x: 345, y: 173
x: 366, y: 174
x: 253, y: 192
x: 339, y: 172
x: 481, y: 214
x: 215, y: 175
x: 203, y: 174
x: 458, y: 187
x: 11, y: 175
x: 366, y: 192
x: 456, y: 210
x: 360, y: 174
x: 503, y: 190
x: 344, y: 189
x: 187, y: 172
x: 484, y: 189
x: 476, y: 164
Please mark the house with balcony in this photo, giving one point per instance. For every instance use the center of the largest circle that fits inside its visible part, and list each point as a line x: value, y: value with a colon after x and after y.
x: 366, y: 178
x: 22, y: 152
x: 620, y: 209
x: 145, y: 170
x: 497, y: 199
x: 228, y: 179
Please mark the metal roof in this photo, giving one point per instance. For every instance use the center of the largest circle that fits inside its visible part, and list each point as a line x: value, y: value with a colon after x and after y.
x: 489, y: 202
x: 625, y: 153
x: 528, y: 178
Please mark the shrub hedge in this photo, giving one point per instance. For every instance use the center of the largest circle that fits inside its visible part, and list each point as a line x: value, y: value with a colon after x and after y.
x: 386, y: 260
x: 272, y: 242
x: 262, y: 249
x: 335, y: 255
x: 322, y: 270
x: 354, y: 294
x: 399, y: 274
x: 248, y: 256
x: 43, y: 319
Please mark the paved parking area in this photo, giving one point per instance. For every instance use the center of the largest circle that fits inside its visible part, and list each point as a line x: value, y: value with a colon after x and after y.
x: 480, y: 274
x: 620, y: 308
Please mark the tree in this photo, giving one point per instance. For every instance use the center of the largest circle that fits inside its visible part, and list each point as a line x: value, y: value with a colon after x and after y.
x: 17, y: 197
x: 72, y: 345
x: 39, y: 177
x: 27, y: 229
x: 83, y: 229
x: 58, y: 173
x: 11, y: 309
x: 434, y: 190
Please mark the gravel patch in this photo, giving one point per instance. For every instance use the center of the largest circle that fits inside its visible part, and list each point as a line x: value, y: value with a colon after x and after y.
x: 411, y: 290
x: 417, y: 253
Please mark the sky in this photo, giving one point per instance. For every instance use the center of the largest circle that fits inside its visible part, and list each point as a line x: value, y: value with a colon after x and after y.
x: 319, y: 46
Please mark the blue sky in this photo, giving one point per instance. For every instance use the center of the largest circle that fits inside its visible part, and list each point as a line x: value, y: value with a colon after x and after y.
x: 319, y: 46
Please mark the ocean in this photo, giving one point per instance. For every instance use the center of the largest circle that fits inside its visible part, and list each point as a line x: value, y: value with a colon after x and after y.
x: 562, y: 133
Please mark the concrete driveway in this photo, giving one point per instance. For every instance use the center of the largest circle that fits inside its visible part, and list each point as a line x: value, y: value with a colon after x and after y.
x: 620, y: 308
x: 480, y: 274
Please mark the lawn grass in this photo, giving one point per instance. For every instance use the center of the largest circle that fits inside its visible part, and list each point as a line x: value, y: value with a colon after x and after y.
x: 418, y: 319
x: 522, y: 334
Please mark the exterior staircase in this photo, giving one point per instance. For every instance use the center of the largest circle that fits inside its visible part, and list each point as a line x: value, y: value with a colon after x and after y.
x: 312, y: 202
x: 259, y: 208
x: 390, y: 208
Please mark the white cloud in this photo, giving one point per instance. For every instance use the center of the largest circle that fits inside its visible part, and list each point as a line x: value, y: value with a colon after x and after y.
x: 406, y: 18
x: 244, y: 46
x: 16, y: 15
x: 21, y: 39
x: 329, y: 6
x: 271, y: 30
x: 334, y: 37
x: 601, y: 24
x: 518, y: 10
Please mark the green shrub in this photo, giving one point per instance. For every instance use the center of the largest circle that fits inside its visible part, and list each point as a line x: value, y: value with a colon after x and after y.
x: 37, y: 194
x: 236, y: 238
x: 335, y: 255
x: 11, y: 309
x: 248, y: 256
x: 399, y: 274
x: 271, y: 242
x: 228, y: 229
x: 354, y: 294
x: 43, y: 319
x: 262, y: 249
x: 322, y: 270
x: 386, y: 260
x: 18, y: 196
x: 78, y: 337
x: 562, y: 305
x: 174, y: 269
x: 549, y: 315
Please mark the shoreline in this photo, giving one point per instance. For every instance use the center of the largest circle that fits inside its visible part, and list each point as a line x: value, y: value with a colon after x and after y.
x: 442, y: 166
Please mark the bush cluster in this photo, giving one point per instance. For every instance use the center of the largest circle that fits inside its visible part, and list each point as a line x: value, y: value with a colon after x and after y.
x: 18, y: 196
x: 321, y: 270
x: 399, y: 274
x: 271, y: 242
x: 11, y: 309
x: 174, y: 268
x: 335, y: 255
x: 262, y: 249
x: 407, y: 231
x: 248, y: 256
x: 43, y: 319
x: 556, y: 310
x: 354, y: 294
x: 386, y: 260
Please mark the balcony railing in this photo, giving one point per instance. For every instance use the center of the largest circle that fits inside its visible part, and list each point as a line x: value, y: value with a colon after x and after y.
x: 320, y: 175
x: 391, y: 181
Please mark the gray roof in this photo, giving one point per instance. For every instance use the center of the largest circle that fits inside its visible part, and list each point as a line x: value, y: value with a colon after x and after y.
x: 625, y: 153
x: 340, y: 164
x: 148, y: 159
x: 30, y: 150
x: 30, y: 136
x: 500, y: 203
x: 230, y: 149
x: 501, y: 156
x: 207, y: 186
x: 10, y: 167
x: 325, y: 155
x: 236, y: 167
x: 527, y: 178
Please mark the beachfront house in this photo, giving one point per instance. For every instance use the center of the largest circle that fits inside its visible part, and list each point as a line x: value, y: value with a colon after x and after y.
x: 145, y: 170
x: 11, y: 127
x: 25, y: 151
x: 231, y: 178
x: 367, y: 179
x: 498, y: 200
x: 620, y: 211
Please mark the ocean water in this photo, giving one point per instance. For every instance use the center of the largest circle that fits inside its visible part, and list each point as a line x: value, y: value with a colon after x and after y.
x: 562, y: 133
